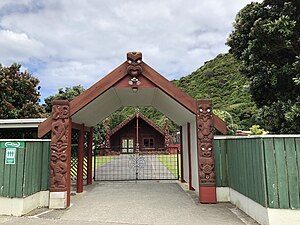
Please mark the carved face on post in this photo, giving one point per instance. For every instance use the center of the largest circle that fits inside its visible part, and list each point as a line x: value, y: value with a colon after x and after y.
x: 205, y: 112
x: 134, y: 60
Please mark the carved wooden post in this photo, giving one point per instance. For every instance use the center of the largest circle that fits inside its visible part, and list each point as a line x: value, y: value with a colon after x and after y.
x: 107, y: 133
x: 206, y: 164
x: 59, y: 169
x: 167, y: 134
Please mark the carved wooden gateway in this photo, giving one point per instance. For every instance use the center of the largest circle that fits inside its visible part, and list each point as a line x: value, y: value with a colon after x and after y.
x: 133, y: 83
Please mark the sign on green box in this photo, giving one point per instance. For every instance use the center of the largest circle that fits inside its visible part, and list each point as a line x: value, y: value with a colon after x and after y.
x: 10, y: 156
x: 11, y: 150
x: 13, y: 144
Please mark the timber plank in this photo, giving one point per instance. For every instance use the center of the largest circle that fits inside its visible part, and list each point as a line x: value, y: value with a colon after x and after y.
x: 263, y: 187
x: 259, y: 164
x: 45, y: 166
x: 20, y: 173
x: 271, y: 173
x: 247, y: 167
x: 6, y: 180
x: 251, y: 170
x: 241, y: 162
x: 13, y: 176
x: 229, y: 163
x: 235, y: 163
x: 38, y: 162
x: 224, y: 166
x: 281, y: 173
x: 26, y: 170
x: 31, y: 169
x: 218, y: 170
x: 2, y: 161
x: 297, y: 145
x: 292, y: 171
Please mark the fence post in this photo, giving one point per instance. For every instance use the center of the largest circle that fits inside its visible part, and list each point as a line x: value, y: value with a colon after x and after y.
x: 80, y: 160
x: 90, y: 156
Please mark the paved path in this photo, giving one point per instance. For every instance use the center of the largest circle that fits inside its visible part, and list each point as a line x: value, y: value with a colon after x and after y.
x: 125, y: 166
x: 134, y: 204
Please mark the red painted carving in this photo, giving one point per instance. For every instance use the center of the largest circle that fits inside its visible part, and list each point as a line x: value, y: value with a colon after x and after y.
x: 107, y: 132
x: 59, y: 145
x: 205, y: 130
x: 134, y: 60
x: 167, y: 133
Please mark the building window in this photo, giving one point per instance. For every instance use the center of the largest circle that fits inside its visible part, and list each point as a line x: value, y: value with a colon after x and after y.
x: 127, y: 145
x: 148, y: 142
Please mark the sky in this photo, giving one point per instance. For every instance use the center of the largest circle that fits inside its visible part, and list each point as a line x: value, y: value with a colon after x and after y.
x: 69, y: 42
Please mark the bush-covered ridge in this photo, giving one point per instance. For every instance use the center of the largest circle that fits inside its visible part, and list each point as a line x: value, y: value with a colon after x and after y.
x: 220, y: 80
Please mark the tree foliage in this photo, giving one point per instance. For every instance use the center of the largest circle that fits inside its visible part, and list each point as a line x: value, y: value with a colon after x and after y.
x: 220, y: 80
x: 68, y: 93
x: 266, y: 39
x: 19, y: 94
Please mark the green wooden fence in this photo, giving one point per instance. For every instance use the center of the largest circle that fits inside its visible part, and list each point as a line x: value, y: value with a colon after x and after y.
x: 265, y: 169
x: 29, y: 174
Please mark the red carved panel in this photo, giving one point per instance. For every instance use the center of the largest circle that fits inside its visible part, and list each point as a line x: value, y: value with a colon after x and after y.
x: 59, y: 145
x: 167, y: 133
x: 205, y: 130
x: 145, y: 83
x: 107, y: 131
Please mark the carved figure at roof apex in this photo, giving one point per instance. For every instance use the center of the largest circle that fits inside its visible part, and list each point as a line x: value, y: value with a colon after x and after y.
x: 134, y: 60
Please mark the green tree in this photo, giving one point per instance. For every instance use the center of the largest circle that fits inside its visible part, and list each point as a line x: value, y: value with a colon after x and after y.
x: 68, y: 93
x: 266, y: 39
x: 19, y: 96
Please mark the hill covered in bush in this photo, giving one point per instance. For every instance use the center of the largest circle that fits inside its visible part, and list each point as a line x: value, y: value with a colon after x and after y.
x: 220, y: 80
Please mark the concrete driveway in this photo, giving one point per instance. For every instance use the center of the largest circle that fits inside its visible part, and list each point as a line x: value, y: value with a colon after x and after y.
x: 136, y: 203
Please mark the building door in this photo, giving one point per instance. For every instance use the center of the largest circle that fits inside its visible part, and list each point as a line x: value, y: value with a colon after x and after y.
x: 127, y: 145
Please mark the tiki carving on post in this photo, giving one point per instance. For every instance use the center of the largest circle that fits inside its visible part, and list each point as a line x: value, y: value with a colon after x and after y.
x: 167, y: 133
x: 134, y: 60
x: 205, y: 131
x: 107, y: 131
x: 59, y: 145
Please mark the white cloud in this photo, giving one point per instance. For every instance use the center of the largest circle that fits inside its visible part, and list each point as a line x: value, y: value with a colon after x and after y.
x: 77, y: 42
x: 19, y: 47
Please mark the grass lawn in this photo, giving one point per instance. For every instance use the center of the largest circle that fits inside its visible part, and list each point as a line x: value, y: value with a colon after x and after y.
x: 170, y: 162
x: 100, y: 160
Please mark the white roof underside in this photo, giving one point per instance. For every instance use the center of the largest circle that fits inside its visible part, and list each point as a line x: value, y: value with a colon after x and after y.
x: 117, y: 97
x: 20, y: 123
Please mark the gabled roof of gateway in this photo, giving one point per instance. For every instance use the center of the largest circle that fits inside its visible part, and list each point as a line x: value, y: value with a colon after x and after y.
x: 114, y: 91
x: 132, y: 117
